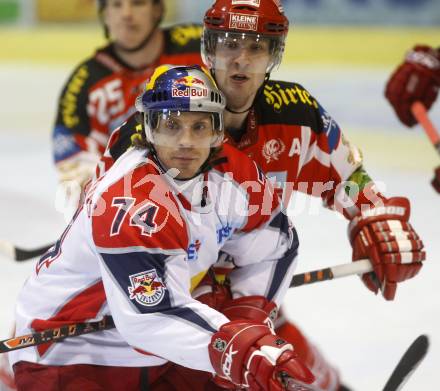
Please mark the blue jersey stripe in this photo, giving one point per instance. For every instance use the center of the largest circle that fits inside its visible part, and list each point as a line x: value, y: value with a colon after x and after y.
x: 282, y: 267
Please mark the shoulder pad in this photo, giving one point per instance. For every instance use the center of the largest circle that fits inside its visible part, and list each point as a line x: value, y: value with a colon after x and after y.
x: 287, y: 103
x: 139, y: 210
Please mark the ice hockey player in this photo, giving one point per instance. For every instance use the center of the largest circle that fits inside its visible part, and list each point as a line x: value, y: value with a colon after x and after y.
x: 296, y: 141
x: 148, y: 231
x: 100, y: 93
x: 291, y: 136
x: 416, y: 79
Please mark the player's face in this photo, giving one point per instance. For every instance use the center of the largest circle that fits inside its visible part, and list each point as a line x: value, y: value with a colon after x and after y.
x: 183, y: 141
x: 240, y: 66
x: 130, y: 21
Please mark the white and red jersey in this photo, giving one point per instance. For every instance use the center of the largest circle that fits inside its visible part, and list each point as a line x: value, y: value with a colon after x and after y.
x: 100, y: 93
x: 138, y: 246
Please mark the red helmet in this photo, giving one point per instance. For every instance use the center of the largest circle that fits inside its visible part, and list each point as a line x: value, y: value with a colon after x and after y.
x: 258, y: 18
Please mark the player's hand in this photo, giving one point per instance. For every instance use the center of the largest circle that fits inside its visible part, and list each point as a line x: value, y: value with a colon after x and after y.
x: 248, y: 354
x: 78, y: 168
x: 436, y: 180
x: 384, y: 236
x: 416, y: 79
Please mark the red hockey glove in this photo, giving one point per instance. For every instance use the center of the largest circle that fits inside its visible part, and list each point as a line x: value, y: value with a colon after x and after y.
x: 384, y: 236
x: 248, y: 355
x: 436, y: 180
x: 254, y: 308
x: 416, y: 79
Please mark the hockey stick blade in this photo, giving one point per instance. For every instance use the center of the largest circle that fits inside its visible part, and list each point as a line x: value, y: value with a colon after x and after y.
x: 20, y: 254
x: 408, y: 364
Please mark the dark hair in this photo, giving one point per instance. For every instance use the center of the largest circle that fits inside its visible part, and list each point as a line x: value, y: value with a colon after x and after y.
x: 139, y: 138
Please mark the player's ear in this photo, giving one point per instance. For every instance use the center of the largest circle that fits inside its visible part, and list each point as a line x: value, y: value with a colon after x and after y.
x: 158, y: 11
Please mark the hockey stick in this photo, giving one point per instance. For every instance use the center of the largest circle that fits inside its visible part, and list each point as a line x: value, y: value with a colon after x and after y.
x: 421, y: 115
x: 55, y: 335
x: 330, y: 273
x: 409, y: 362
x: 404, y: 369
x: 20, y: 254
x: 73, y: 330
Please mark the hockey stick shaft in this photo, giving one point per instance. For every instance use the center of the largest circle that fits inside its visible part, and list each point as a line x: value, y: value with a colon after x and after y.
x: 330, y: 273
x: 404, y: 369
x: 55, y: 335
x: 73, y: 330
x: 421, y: 115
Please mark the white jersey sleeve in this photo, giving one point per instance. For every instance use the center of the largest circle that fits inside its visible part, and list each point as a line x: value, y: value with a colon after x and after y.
x: 142, y: 250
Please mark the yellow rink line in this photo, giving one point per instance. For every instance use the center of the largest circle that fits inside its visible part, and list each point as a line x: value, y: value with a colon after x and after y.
x: 351, y: 46
x: 408, y: 150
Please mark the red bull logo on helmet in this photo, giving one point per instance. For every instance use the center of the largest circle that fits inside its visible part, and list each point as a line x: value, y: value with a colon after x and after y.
x: 146, y: 288
x: 189, y: 87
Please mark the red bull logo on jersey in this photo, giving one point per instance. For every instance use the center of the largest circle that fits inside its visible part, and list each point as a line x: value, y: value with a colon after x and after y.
x: 243, y: 22
x: 146, y: 288
x: 189, y: 87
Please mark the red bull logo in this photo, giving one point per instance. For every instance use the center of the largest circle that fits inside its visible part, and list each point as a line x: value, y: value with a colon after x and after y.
x: 146, y: 288
x: 189, y: 87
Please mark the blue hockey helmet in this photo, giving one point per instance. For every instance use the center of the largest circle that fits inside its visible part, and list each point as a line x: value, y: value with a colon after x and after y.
x: 181, y: 89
